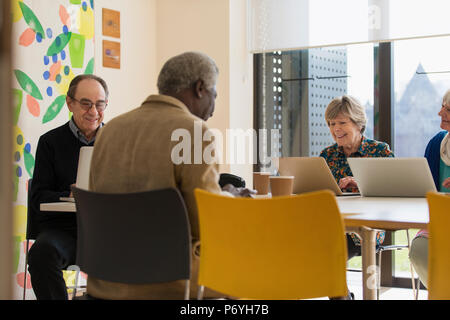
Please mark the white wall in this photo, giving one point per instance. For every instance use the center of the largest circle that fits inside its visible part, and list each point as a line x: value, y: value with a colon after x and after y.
x: 136, y: 78
x: 217, y: 28
x: 152, y: 31
x: 241, y: 80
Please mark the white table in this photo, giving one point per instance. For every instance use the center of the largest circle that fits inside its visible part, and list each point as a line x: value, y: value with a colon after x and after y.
x: 366, y: 215
x: 59, y: 206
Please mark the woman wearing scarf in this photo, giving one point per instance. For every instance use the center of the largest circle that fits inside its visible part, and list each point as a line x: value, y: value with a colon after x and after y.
x: 438, y: 156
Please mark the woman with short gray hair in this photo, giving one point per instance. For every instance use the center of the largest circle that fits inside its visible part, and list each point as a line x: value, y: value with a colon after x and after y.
x: 346, y: 118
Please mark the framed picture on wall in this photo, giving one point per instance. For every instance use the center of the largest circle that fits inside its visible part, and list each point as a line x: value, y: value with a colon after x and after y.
x: 111, y: 54
x: 111, y: 23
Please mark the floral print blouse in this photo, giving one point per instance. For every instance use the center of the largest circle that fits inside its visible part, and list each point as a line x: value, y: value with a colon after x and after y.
x: 338, y: 164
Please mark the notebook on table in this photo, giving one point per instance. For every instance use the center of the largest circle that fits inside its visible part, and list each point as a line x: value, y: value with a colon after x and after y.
x: 84, y: 166
x: 392, y: 177
x: 310, y: 174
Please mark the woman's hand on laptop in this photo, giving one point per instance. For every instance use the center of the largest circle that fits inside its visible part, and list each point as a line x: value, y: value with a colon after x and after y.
x: 347, y: 183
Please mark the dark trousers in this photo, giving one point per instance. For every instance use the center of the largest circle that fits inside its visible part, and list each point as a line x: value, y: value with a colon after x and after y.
x: 53, y: 251
x: 352, y: 249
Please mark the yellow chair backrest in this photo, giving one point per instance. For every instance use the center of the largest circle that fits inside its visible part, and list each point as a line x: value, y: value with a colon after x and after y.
x: 439, y: 247
x: 281, y: 248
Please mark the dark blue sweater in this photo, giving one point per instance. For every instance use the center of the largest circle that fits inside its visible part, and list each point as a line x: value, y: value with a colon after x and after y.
x: 54, y: 171
x: 433, y: 155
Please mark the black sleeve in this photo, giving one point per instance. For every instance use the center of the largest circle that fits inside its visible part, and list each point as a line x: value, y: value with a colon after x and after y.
x: 44, y: 186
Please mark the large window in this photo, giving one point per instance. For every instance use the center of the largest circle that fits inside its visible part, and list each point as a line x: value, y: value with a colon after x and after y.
x: 421, y: 77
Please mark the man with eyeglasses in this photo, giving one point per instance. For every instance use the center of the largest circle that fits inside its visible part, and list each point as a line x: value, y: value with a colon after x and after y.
x: 55, y: 171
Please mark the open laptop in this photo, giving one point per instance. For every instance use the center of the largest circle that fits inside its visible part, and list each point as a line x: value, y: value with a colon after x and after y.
x: 310, y: 174
x: 84, y: 166
x: 392, y: 177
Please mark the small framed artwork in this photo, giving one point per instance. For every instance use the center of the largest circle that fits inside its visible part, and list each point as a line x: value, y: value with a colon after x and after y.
x: 111, y: 54
x: 111, y: 23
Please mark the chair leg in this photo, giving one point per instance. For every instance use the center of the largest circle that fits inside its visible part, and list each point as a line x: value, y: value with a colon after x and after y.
x: 77, y: 274
x: 25, y: 273
x: 379, y: 274
x: 413, y: 283
x: 200, y: 292
x: 187, y: 289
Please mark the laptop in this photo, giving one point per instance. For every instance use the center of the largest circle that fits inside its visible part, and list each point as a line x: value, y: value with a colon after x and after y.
x: 84, y: 166
x: 392, y: 177
x: 310, y: 174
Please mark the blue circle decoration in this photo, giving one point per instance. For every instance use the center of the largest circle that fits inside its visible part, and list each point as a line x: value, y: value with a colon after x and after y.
x: 66, y: 70
x: 65, y: 29
x: 39, y: 37
x: 63, y: 55
x: 49, y: 33
x: 55, y: 58
x: 92, y: 4
x: 46, y: 75
x: 49, y: 91
x: 27, y: 148
x: 17, y: 156
x: 58, y: 78
x: 19, y: 139
x: 46, y: 60
x: 19, y: 171
x: 84, y: 5
x: 58, y: 41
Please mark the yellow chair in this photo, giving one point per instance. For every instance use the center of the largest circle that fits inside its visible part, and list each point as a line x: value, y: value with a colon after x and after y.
x: 439, y: 247
x: 289, y: 247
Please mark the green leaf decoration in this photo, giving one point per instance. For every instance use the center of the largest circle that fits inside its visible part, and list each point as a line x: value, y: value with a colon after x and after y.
x: 31, y: 19
x: 17, y: 241
x: 76, y: 50
x: 29, y: 162
x: 27, y: 84
x: 90, y: 67
x: 54, y: 109
x: 75, y: 1
x: 16, y: 183
x: 59, y: 44
x: 17, y: 104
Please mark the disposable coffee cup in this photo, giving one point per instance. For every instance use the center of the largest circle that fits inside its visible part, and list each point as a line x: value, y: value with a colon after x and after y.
x: 281, y: 185
x: 261, y: 182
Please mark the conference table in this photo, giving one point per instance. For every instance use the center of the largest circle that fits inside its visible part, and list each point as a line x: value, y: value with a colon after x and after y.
x: 362, y: 215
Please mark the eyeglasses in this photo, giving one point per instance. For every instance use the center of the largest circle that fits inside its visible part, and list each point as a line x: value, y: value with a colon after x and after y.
x: 86, y: 104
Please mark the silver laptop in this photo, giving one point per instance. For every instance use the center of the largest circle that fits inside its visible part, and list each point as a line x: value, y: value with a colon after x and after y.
x: 84, y: 166
x: 310, y: 174
x: 392, y: 177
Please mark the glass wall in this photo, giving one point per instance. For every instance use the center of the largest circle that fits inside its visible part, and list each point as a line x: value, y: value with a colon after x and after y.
x: 295, y: 88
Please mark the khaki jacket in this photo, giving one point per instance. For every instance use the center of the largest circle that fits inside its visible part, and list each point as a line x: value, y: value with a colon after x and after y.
x: 133, y: 153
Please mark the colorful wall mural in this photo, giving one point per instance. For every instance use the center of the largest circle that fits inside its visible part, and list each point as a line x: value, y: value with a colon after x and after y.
x: 53, y: 41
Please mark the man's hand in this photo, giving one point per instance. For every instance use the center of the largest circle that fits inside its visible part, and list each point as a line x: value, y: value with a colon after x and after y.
x: 238, y: 192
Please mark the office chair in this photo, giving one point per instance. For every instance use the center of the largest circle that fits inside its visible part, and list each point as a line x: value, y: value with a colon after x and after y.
x: 228, y: 178
x: 438, y: 247
x: 379, y: 252
x: 383, y: 248
x: 114, y: 229
x: 31, y: 234
x: 280, y: 248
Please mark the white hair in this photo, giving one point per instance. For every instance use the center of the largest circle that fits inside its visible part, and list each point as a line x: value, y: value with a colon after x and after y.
x: 182, y: 71
x: 446, y: 98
